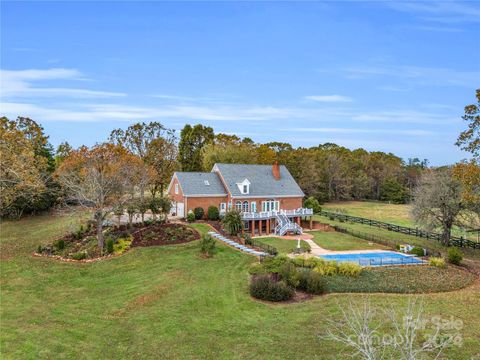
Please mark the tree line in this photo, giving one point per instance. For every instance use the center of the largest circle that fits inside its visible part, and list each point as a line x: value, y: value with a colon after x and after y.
x: 141, y: 159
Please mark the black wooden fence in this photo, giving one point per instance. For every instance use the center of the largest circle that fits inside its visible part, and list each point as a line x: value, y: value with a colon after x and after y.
x: 454, y: 240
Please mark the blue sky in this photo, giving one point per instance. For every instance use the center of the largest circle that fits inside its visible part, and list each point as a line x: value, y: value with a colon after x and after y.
x: 388, y: 76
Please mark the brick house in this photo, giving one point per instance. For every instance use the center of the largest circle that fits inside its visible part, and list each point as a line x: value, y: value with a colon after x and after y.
x: 269, y: 199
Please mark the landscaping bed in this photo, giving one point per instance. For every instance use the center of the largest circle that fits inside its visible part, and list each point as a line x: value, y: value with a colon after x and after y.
x: 82, y: 245
x: 164, y: 234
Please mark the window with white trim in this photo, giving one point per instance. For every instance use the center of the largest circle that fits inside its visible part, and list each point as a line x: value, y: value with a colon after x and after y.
x: 176, y: 189
x: 270, y: 205
x: 253, y: 206
x: 245, y: 206
x: 223, y: 206
x: 238, y: 205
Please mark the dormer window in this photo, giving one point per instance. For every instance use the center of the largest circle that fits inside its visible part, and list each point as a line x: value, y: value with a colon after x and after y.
x: 244, y: 187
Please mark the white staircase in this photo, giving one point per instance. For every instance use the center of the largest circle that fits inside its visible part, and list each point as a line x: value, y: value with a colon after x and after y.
x: 284, y: 225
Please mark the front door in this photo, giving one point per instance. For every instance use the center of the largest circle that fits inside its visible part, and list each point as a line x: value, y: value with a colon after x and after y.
x: 180, y: 209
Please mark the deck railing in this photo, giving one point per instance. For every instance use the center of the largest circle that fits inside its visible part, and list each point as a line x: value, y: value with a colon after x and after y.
x: 271, y: 214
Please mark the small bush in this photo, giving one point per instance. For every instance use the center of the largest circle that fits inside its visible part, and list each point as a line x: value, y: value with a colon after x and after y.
x: 454, y: 256
x: 417, y: 251
x: 257, y: 269
x: 308, y: 262
x: 274, y: 264
x: 109, y: 246
x: 312, y: 203
x: 263, y: 287
x: 397, y: 247
x: 190, y: 217
x: 39, y: 249
x: 349, y: 269
x: 60, y: 244
x: 327, y: 268
x: 122, y: 245
x: 79, y: 255
x: 311, y: 282
x: 437, y: 262
x: 198, y: 212
x: 213, y: 213
x: 288, y: 273
x: 207, y: 245
x: 248, y: 239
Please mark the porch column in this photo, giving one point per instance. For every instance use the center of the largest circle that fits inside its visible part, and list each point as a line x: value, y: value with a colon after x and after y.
x: 253, y: 228
x: 268, y: 226
x: 298, y: 220
x: 260, y: 225
x: 311, y: 222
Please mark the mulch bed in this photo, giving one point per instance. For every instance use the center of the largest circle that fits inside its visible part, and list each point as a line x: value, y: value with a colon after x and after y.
x: 164, y: 234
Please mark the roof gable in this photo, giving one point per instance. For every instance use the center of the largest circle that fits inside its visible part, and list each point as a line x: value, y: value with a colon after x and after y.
x: 262, y: 181
x: 200, y: 183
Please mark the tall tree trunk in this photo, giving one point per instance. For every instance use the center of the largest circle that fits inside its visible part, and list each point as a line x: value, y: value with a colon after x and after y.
x: 447, y: 229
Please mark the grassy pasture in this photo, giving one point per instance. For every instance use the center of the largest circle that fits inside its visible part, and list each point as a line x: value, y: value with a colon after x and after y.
x: 398, y: 214
x: 340, y: 242
x: 168, y: 302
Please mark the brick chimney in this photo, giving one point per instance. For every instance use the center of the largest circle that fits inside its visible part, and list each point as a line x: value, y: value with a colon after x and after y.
x: 276, y: 170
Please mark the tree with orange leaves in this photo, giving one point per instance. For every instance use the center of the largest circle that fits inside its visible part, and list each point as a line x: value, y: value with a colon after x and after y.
x: 95, y: 178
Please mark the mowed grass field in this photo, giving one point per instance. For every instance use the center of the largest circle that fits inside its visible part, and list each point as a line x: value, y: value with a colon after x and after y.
x: 398, y: 214
x: 168, y: 302
x: 339, y: 242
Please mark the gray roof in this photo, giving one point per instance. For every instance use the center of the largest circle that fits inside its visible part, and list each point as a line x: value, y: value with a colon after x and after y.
x: 193, y: 183
x: 262, y: 182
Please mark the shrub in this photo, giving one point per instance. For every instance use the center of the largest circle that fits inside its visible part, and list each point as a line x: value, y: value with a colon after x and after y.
x: 207, y: 245
x: 437, y: 262
x: 310, y: 281
x: 248, y: 239
x: 312, y: 203
x: 39, y: 249
x: 109, y: 246
x: 274, y: 264
x: 327, y: 268
x: 454, y: 256
x: 288, y: 273
x: 308, y: 262
x: 122, y: 245
x: 60, y: 244
x: 190, y: 217
x: 79, y: 233
x: 263, y: 287
x: 79, y: 255
x: 213, y: 213
x: 198, y: 212
x: 233, y: 222
x: 417, y: 251
x: 349, y: 269
x: 257, y: 269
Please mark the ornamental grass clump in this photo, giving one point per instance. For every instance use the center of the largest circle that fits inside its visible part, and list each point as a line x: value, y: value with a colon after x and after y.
x: 437, y: 262
x: 264, y: 287
x: 327, y: 268
x: 349, y: 269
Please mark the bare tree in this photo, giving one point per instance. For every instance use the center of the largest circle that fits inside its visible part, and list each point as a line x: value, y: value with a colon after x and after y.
x: 438, y: 202
x: 360, y: 329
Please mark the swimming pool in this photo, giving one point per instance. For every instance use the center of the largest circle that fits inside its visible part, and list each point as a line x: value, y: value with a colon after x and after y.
x: 383, y: 258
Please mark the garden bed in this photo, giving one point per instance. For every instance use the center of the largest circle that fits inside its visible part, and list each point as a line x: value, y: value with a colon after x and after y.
x: 164, y: 234
x: 82, y: 245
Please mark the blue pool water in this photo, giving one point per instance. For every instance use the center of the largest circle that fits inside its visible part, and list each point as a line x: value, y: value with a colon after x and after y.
x: 375, y: 258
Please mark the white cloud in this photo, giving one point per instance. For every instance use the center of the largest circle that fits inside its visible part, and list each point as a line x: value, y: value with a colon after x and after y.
x: 20, y: 84
x: 412, y: 132
x: 415, y: 74
x: 439, y: 11
x: 328, y: 98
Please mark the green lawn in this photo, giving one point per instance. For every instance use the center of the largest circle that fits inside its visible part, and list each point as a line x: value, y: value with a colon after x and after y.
x: 169, y: 302
x: 282, y: 245
x: 399, y: 214
x: 339, y: 242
